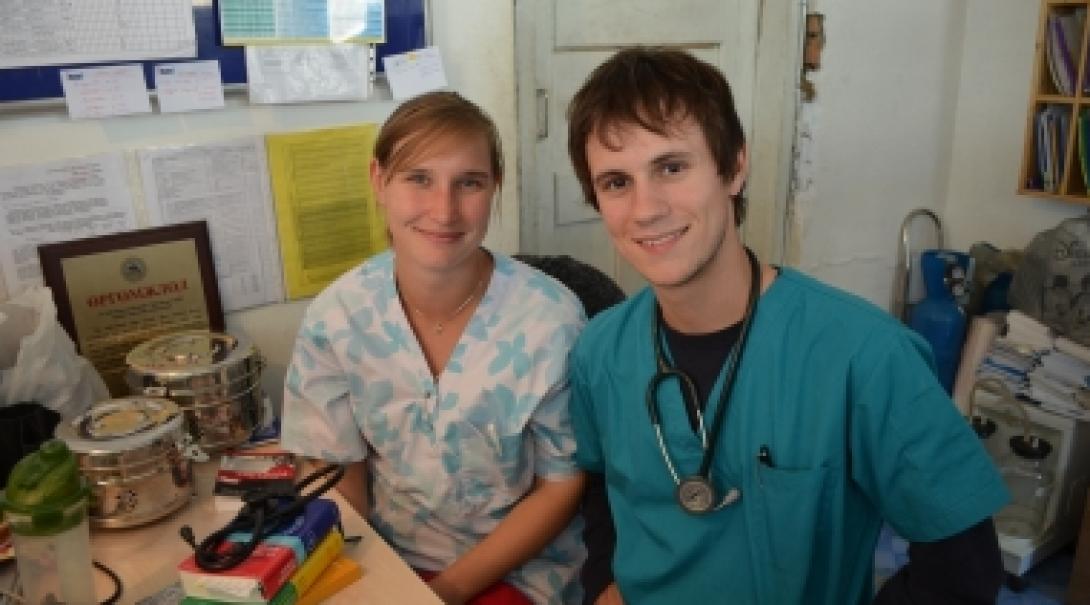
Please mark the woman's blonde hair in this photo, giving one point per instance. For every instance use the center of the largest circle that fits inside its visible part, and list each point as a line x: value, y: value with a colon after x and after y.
x: 430, y: 117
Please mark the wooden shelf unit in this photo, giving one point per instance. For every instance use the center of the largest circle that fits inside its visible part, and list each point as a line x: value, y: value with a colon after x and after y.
x: 1072, y: 185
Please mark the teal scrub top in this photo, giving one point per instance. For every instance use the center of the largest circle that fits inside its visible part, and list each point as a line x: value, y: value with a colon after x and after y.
x: 858, y: 428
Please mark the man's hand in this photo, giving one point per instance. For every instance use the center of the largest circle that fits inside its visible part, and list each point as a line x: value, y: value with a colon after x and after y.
x: 610, y: 596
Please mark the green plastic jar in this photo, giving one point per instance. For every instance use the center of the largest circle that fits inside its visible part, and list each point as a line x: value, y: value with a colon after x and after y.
x: 46, y: 504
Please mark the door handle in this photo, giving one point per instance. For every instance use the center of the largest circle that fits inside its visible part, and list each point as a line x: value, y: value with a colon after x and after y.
x: 541, y: 97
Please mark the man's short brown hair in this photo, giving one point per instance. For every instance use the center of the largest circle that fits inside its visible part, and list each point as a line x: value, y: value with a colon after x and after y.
x: 656, y: 89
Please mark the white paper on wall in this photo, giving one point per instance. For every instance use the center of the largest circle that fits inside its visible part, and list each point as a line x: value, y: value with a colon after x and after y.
x: 298, y: 74
x: 58, y: 201
x: 226, y: 184
x: 415, y: 72
x: 188, y: 86
x: 64, y: 32
x: 100, y: 92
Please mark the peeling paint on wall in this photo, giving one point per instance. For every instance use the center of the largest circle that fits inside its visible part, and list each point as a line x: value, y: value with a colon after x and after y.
x: 868, y: 148
x: 802, y: 193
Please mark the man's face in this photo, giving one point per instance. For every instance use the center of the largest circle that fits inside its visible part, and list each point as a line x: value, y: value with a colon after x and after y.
x: 664, y: 204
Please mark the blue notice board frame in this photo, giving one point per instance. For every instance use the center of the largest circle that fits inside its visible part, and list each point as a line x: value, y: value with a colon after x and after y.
x: 406, y: 30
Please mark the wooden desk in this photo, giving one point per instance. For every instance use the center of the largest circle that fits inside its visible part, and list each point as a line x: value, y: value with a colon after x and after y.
x: 146, y: 558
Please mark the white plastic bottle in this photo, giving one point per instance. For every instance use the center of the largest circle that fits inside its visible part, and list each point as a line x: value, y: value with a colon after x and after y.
x: 46, y: 503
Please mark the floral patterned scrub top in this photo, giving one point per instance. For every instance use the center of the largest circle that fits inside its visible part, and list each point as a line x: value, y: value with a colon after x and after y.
x: 450, y: 456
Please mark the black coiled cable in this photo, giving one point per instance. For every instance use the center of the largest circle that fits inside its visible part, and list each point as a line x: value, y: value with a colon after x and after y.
x: 116, y: 596
x: 261, y: 516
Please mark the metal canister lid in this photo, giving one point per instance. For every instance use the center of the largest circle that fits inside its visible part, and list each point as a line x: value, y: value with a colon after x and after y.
x: 121, y: 424
x: 188, y: 353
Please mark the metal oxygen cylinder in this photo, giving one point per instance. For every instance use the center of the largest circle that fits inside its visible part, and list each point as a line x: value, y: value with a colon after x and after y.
x: 938, y: 317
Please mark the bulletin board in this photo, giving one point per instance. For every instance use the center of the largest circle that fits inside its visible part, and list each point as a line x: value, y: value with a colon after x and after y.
x: 406, y: 30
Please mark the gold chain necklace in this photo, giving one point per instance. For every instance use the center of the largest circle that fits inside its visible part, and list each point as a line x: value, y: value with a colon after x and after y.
x: 439, y: 325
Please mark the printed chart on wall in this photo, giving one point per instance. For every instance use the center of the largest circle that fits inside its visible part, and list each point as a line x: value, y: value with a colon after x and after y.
x: 225, y: 184
x: 327, y: 217
x: 300, y: 21
x: 56, y: 32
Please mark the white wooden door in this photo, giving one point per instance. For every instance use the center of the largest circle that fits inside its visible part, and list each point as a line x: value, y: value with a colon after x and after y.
x: 558, y: 43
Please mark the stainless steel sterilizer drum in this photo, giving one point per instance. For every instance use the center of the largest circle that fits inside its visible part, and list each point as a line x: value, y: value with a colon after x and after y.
x: 214, y: 378
x: 130, y: 450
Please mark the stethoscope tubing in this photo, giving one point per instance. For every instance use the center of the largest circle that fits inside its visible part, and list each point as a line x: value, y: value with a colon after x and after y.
x: 665, y: 372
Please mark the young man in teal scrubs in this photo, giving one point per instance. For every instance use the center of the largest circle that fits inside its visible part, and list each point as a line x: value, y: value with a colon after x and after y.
x: 753, y: 426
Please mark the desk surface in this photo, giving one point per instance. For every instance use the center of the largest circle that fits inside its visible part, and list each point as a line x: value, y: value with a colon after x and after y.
x: 146, y: 558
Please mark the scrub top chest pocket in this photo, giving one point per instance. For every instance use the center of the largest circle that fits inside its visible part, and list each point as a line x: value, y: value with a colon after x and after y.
x: 790, y: 503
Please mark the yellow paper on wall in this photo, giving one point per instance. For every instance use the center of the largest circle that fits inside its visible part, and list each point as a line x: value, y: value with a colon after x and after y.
x: 326, y: 213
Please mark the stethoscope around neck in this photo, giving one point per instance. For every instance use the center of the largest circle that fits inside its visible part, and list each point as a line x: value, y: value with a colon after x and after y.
x: 695, y: 493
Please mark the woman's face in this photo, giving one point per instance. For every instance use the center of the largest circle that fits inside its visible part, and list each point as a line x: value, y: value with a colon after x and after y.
x: 438, y: 204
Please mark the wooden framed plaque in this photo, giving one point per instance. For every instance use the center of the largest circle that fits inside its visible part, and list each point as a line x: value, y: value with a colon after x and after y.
x: 115, y: 291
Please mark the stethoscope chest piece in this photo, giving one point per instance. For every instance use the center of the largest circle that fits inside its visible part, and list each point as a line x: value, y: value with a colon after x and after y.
x: 697, y: 496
